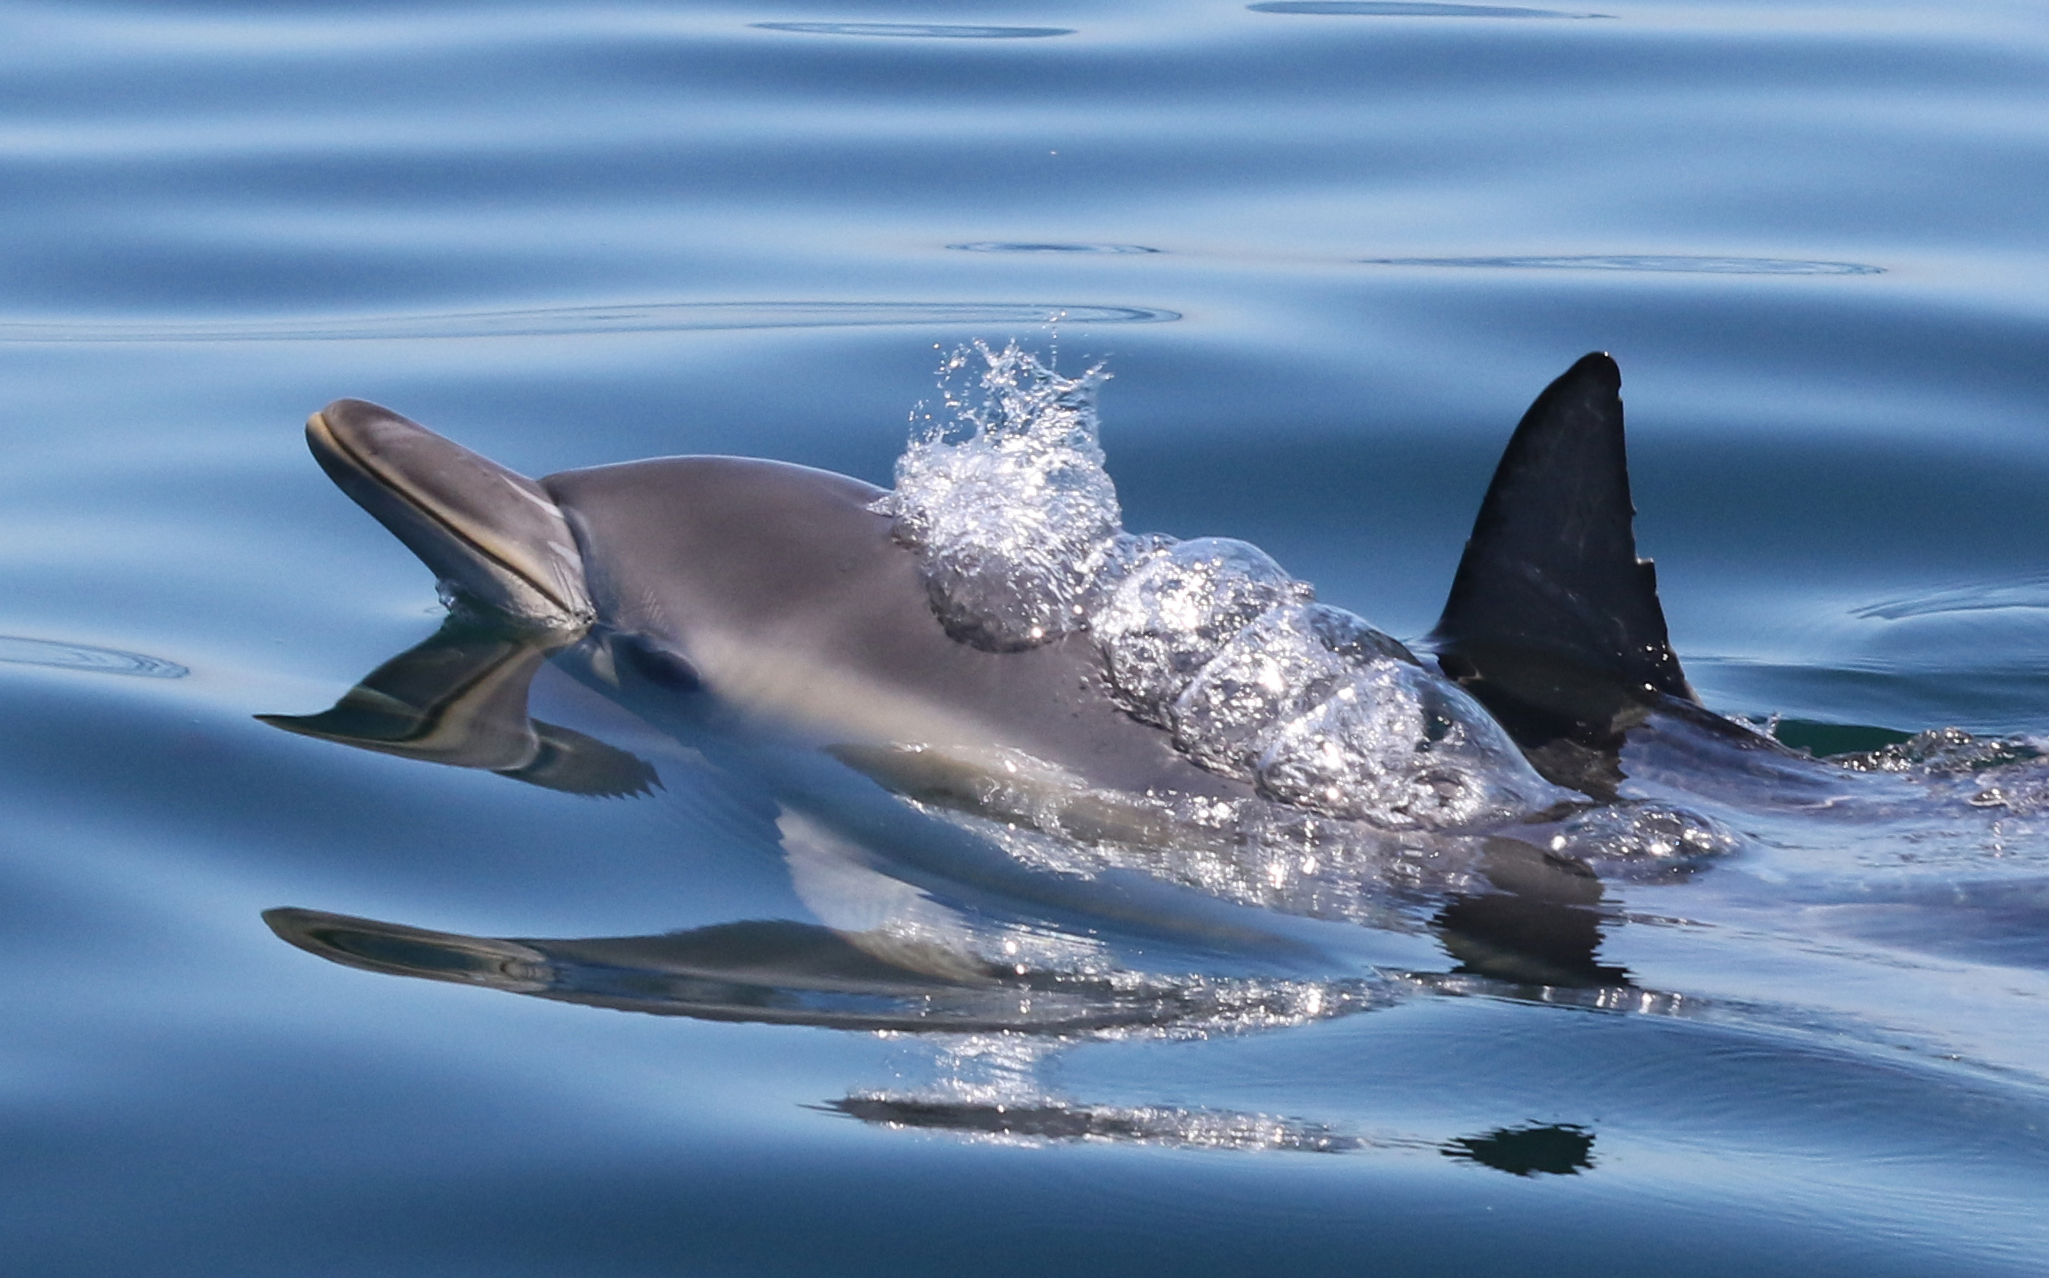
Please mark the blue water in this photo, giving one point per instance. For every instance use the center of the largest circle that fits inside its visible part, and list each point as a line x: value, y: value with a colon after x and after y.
x: 1329, y: 251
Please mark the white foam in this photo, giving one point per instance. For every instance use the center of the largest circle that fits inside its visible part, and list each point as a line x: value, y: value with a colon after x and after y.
x: 1011, y: 507
x: 1276, y: 669
x: 1022, y: 540
x: 1405, y: 749
x: 1178, y: 605
x: 1644, y: 840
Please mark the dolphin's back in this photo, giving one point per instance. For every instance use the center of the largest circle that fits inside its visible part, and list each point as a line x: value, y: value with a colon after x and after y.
x: 790, y: 598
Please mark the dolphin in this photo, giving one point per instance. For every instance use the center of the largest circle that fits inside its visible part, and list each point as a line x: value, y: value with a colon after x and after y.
x: 778, y: 596
x: 776, y: 588
x: 783, y: 592
x: 765, y: 614
x: 765, y: 620
x: 780, y: 971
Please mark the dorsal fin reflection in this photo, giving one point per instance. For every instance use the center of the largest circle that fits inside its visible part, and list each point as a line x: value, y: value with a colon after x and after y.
x: 1540, y: 927
x: 781, y: 971
x: 460, y: 698
x: 791, y: 973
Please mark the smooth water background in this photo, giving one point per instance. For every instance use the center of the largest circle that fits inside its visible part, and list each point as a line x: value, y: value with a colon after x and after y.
x: 1330, y: 251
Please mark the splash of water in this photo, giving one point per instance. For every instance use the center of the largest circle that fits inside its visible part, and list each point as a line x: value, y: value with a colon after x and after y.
x: 1019, y: 530
x: 1009, y: 504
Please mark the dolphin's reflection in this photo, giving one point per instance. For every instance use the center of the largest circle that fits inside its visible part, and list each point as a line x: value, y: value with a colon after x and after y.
x: 783, y: 972
x: 1541, y: 926
x: 791, y: 973
x: 460, y: 698
x: 1548, y: 1149
x: 1144, y: 1124
x: 889, y: 957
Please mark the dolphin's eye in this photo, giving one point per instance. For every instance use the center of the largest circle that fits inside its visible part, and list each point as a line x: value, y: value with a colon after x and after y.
x: 656, y: 664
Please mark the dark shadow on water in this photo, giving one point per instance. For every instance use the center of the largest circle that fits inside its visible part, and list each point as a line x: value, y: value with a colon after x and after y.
x: 1141, y: 1125
x: 1551, y: 1149
x: 1542, y: 927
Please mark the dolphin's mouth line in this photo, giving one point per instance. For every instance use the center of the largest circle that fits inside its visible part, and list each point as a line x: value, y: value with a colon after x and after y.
x: 364, y: 466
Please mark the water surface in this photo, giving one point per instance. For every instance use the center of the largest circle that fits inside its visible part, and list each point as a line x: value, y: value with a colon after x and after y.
x: 1330, y: 252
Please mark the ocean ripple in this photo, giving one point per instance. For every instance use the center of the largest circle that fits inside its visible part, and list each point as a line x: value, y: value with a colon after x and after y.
x: 77, y: 656
x: 570, y: 321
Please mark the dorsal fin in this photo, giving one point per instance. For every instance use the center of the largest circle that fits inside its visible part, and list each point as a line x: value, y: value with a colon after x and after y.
x: 1552, y: 620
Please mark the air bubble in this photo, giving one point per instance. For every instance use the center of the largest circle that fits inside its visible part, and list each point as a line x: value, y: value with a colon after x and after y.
x: 1020, y: 534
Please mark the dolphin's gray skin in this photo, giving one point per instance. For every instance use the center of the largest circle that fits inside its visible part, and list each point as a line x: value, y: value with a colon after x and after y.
x: 496, y: 535
x: 770, y: 598
x: 783, y: 592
